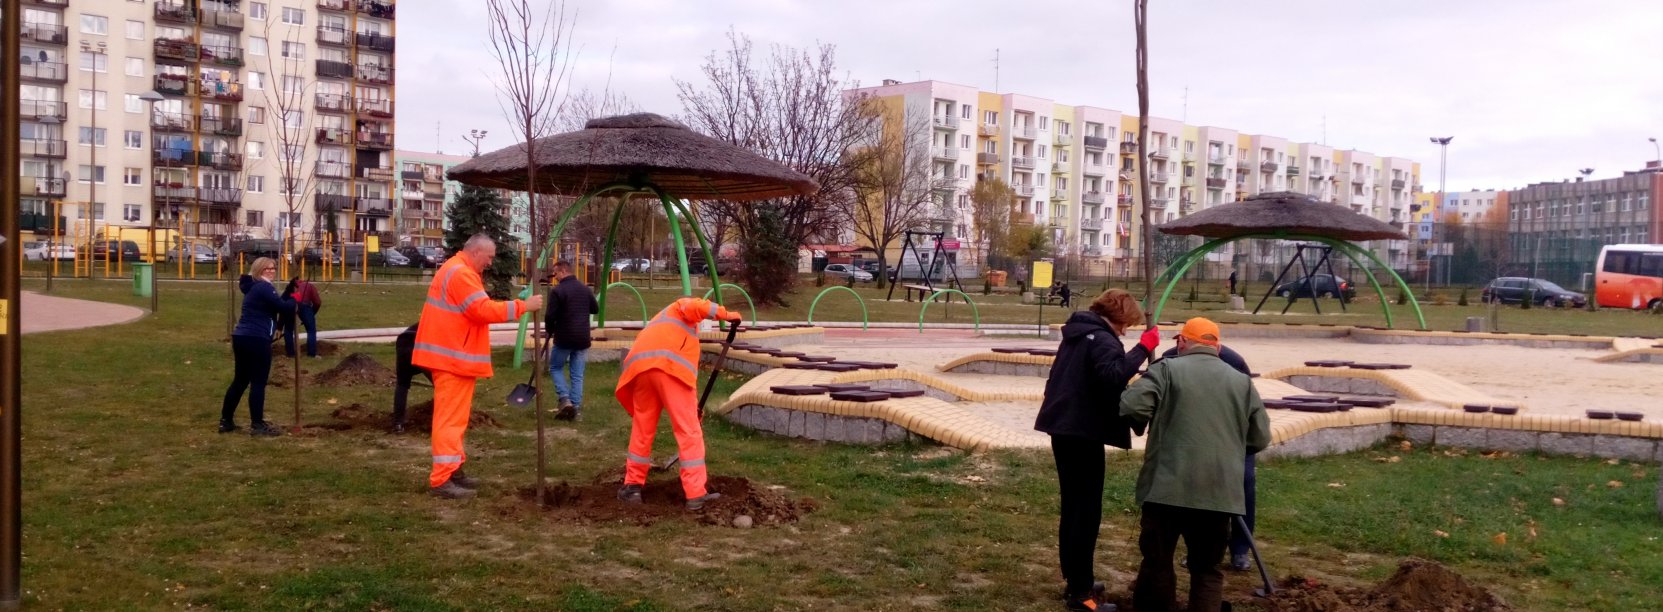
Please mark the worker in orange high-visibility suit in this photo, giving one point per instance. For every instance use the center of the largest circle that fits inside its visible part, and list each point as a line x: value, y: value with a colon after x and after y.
x: 660, y: 374
x: 453, y: 342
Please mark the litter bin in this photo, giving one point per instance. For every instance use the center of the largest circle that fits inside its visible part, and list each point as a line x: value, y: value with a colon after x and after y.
x: 144, y: 279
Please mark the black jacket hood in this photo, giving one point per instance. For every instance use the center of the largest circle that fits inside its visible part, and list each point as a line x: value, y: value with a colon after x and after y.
x: 1084, y: 322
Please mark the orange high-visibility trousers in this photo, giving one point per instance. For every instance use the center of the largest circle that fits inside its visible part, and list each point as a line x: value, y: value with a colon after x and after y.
x: 654, y: 391
x: 452, y: 405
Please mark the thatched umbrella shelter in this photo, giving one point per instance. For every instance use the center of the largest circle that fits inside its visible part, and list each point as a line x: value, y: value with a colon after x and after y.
x: 1286, y: 216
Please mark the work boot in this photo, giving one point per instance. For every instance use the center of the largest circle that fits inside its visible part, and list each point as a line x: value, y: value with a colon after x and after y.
x: 264, y: 429
x: 566, y: 412
x: 1240, y: 562
x: 398, y: 427
x: 462, y: 480
x: 227, y: 426
x: 1094, y: 600
x: 630, y: 494
x: 698, y: 503
x: 450, y: 490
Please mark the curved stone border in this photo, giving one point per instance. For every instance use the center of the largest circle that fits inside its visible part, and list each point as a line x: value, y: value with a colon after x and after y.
x: 1645, y: 355
x: 1002, y: 364
x: 1369, y: 335
x: 1418, y: 385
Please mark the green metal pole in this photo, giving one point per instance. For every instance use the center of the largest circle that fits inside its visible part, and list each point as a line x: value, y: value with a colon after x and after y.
x: 543, y: 259
x: 742, y: 293
x: 865, y: 320
x: 1413, y: 302
x: 698, y: 234
x: 606, y: 256
x: 638, y: 299
x: 681, y: 246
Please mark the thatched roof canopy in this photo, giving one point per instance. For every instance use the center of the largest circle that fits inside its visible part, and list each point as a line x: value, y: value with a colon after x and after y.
x: 1283, y: 212
x: 638, y: 148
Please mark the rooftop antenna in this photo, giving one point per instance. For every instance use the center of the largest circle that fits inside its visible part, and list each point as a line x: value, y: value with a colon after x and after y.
x: 1325, y: 130
x: 438, y: 143
x: 996, y: 71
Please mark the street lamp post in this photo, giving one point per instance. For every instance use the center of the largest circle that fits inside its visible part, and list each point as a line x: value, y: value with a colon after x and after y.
x: 97, y: 51
x: 1443, y: 168
x: 52, y: 245
x: 1656, y: 149
x: 150, y: 99
x: 473, y: 137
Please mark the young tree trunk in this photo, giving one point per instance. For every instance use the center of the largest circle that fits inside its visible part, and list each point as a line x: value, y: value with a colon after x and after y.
x: 1141, y: 12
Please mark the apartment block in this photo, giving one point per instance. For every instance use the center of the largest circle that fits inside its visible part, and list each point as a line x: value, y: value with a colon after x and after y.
x: 1075, y: 168
x: 212, y: 117
x: 424, y: 194
x: 1557, y: 228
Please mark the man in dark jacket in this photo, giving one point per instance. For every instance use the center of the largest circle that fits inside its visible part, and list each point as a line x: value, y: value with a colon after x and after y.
x: 1090, y: 371
x: 570, y: 304
x: 1203, y: 417
x: 1240, y: 545
x: 404, y: 348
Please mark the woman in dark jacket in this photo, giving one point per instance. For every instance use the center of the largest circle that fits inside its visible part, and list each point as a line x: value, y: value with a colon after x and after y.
x: 1081, y: 411
x: 251, y: 347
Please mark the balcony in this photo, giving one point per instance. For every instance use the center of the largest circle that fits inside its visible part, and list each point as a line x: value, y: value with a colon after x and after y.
x: 229, y: 91
x: 374, y: 73
x: 1026, y: 191
x: 172, y: 122
x: 1397, y: 184
x: 182, y: 50
x: 223, y: 126
x: 375, y: 140
x: 333, y: 103
x: 175, y: 85
x: 1216, y: 159
x: 45, y: 187
x: 335, y: 5
x: 1058, y: 193
x: 433, y: 192
x: 224, y: 56
x: 375, y: 107
x: 328, y: 202
x: 1126, y: 174
x: 53, y: 149
x: 175, y: 12
x: 1124, y: 199
x: 374, y: 41
x: 1091, y: 223
x: 224, y: 20
x: 41, y: 109
x: 1092, y: 250
x: 376, y: 8
x: 46, y: 33
x: 1092, y: 197
x: 1157, y: 177
x: 1267, y: 166
x: 173, y: 157
x: 1158, y: 203
x: 987, y: 129
x: 1022, y: 218
x: 167, y: 194
x: 47, y: 72
x: 330, y: 69
x: 373, y: 206
x: 987, y: 159
x: 1160, y: 153
x: 1027, y: 132
x: 1094, y: 169
x: 222, y: 197
x: 946, y: 122
x: 1189, y: 157
x: 410, y: 175
x: 1214, y: 182
x: 409, y: 194
x: 1356, y: 179
x: 333, y: 169
x: 1293, y: 170
x: 334, y: 36
x: 1060, y: 167
x: 334, y: 136
x: 1026, y: 163
x: 223, y: 161
x: 1096, y: 142
x: 1128, y: 147
x: 376, y: 173
x: 1062, y: 140
x: 48, y: 3
x: 945, y: 153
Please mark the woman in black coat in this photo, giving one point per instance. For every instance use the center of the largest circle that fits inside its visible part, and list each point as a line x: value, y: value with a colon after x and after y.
x: 251, y: 348
x: 1081, y: 412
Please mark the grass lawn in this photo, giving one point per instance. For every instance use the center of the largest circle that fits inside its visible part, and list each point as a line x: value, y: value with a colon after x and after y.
x: 132, y: 501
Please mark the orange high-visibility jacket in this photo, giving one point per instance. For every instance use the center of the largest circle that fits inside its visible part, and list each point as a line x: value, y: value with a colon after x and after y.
x: 670, y: 342
x: 455, y: 334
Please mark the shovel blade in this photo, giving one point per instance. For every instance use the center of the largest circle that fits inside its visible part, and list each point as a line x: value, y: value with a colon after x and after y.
x: 522, y: 395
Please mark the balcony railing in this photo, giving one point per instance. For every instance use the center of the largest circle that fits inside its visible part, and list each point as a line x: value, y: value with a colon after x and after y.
x: 410, y: 194
x: 175, y: 85
x: 376, y: 173
x: 375, y: 140
x: 1160, y: 153
x: 1158, y: 202
x: 1092, y: 250
x: 1092, y: 197
x: 231, y: 197
x: 173, y: 157
x: 375, y: 107
x: 1124, y: 199
x: 223, y: 161
x: 1061, y: 139
x: 1216, y: 159
x: 177, y: 49
x: 1091, y: 223
x: 1214, y: 182
x: 172, y: 122
x: 165, y: 194
x: 410, y: 175
x: 948, y: 122
x: 224, y: 56
x: 47, y: 187
x: 988, y: 129
x: 1022, y: 162
x: 229, y: 91
x: 334, y: 136
x: 50, y: 72
x: 223, y: 126
x: 175, y: 12
x: 1357, y: 179
x: 1094, y: 169
x: 335, y: 5
x: 1026, y: 132
x: 433, y: 192
x: 1157, y: 177
x: 334, y: 103
x: 1096, y: 142
x: 987, y: 159
x: 330, y: 69
x: 374, y: 41
x: 1293, y: 170
x: 373, y: 206
x: 329, y: 202
x: 225, y: 20
x: 1397, y: 183
x: 333, y: 169
x: 1026, y: 191
x: 41, y: 109
x: 376, y: 8
x: 55, y: 149
x: 945, y: 153
x: 1022, y: 218
x: 1267, y: 166
x: 48, y: 33
x: 52, y: 3
x: 334, y: 36
x: 1060, y: 167
x: 1059, y: 194
x: 375, y: 73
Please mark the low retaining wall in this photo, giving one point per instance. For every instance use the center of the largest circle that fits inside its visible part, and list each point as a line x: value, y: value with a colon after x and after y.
x: 820, y: 426
x: 1396, y: 336
x: 1002, y: 368
x: 1330, y: 441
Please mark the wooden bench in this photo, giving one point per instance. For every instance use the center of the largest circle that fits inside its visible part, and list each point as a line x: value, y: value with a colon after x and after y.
x: 922, y: 290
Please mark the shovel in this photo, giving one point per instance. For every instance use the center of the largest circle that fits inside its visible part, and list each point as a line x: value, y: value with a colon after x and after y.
x: 525, y: 393
x: 709, y: 384
x: 1241, y: 524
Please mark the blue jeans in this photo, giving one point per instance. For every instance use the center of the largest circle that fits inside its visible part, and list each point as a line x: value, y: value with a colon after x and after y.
x: 309, y: 318
x: 578, y: 358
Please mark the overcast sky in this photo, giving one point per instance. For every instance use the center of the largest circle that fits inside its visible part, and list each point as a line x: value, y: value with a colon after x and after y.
x: 1531, y: 89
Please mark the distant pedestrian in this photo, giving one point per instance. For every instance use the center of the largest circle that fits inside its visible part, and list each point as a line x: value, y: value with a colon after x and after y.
x: 1066, y: 295
x: 1021, y: 279
x: 251, y: 348
x: 569, y: 305
x: 310, y: 301
x: 1232, y: 282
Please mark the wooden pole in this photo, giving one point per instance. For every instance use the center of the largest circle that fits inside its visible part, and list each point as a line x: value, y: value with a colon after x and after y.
x: 1141, y: 17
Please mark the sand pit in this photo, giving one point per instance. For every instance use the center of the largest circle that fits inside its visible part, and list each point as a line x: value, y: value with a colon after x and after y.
x: 418, y: 419
x: 662, y: 499
x: 357, y: 370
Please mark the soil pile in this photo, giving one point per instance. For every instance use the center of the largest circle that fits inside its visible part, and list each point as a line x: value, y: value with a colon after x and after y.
x: 282, y: 374
x: 662, y: 499
x: 418, y: 418
x: 357, y: 370
x: 1417, y: 585
x: 325, y: 347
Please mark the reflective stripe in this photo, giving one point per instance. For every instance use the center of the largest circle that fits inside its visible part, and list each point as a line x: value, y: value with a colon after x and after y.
x: 444, y: 283
x: 453, y: 353
x: 672, y: 321
x: 443, y: 306
x: 671, y: 355
x: 691, y: 463
x: 477, y: 296
x: 713, y: 308
x: 637, y: 458
x: 512, y: 310
x: 447, y: 458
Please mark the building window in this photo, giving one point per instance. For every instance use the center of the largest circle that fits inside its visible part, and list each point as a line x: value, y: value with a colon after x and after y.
x: 135, y: 30
x: 256, y: 80
x: 133, y: 139
x: 990, y: 117
x: 135, y: 66
x: 254, y: 218
x: 1044, y: 124
x: 257, y: 10
x: 256, y: 184
x: 255, y: 149
x: 93, y: 99
x: 256, y: 114
x: 91, y: 174
x: 294, y: 50
x: 293, y: 85
x: 94, y: 62
x: 95, y: 211
x: 133, y: 103
x: 130, y: 212
x: 91, y: 136
x: 294, y: 16
x: 257, y: 45
x: 132, y: 176
x: 95, y: 24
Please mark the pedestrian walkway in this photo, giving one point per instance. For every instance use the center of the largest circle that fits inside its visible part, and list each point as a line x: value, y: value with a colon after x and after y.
x: 44, y: 313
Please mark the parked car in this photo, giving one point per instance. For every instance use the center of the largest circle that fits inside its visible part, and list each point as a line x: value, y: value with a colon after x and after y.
x: 200, y: 253
x: 418, y: 258
x: 1515, y: 289
x: 1320, y: 285
x: 869, y: 267
x: 251, y: 249
x: 43, y: 250
x: 437, y: 254
x: 848, y: 271
x: 316, y: 256
x: 724, y: 267
x: 632, y: 264
x: 127, y: 250
x: 353, y: 255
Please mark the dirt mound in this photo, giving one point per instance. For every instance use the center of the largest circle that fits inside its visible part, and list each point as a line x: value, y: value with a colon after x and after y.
x: 418, y: 419
x: 282, y: 374
x: 357, y: 370
x: 662, y: 499
x: 1417, y: 585
x: 325, y: 347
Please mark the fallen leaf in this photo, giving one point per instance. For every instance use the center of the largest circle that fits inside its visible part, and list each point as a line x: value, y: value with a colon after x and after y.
x: 1405, y: 445
x: 1336, y: 485
x: 1500, y: 539
x: 1530, y: 533
x: 1612, y: 462
x: 1615, y: 484
x: 1440, y: 533
x: 1558, y: 501
x: 975, y: 478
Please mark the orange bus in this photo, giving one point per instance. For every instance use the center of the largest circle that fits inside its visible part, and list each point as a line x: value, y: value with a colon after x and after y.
x: 1629, y: 276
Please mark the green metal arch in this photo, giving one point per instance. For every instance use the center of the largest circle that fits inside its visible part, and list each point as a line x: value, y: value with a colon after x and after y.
x: 742, y: 292
x: 543, y: 258
x: 1176, y: 271
x: 865, y: 321
x: 974, y: 312
x: 638, y: 298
